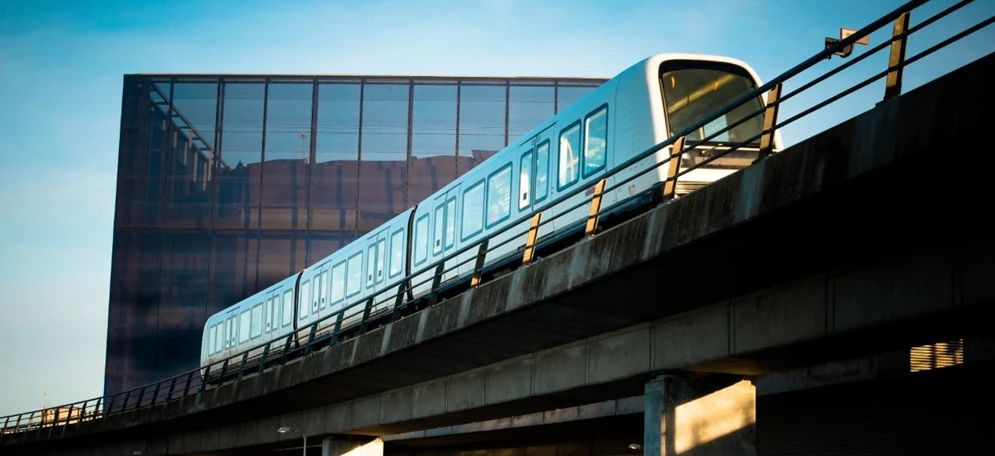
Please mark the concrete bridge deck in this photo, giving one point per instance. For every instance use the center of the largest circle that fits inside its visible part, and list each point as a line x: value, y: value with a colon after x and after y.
x: 877, y: 223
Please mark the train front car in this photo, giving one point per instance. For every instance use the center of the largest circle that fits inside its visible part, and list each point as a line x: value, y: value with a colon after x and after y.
x: 670, y: 93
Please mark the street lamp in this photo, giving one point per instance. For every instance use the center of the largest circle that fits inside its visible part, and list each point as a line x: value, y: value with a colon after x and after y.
x: 286, y: 429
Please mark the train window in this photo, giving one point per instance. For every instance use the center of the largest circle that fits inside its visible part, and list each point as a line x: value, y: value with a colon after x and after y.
x: 421, y: 239
x: 569, y: 156
x: 230, y: 330
x: 450, y: 221
x: 473, y: 210
x: 524, y: 180
x: 211, y: 347
x: 219, y: 344
x: 338, y: 282
x: 439, y: 219
x: 274, y: 313
x: 355, y: 272
x: 595, y: 141
x: 371, y: 265
x: 244, y: 324
x: 326, y: 280
x: 257, y: 320
x: 381, y: 258
x: 305, y: 298
x: 396, y: 252
x: 288, y: 310
x: 542, y: 169
x: 499, y: 195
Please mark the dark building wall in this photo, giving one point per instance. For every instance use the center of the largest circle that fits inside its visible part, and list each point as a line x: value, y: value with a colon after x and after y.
x: 229, y: 184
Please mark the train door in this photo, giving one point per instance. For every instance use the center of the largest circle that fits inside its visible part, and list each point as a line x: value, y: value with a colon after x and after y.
x: 444, y: 220
x: 231, y: 330
x: 272, y: 311
x: 541, y: 158
x: 319, y: 295
x: 375, y: 251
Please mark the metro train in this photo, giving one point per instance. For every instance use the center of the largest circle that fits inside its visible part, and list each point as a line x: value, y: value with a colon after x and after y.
x: 630, y: 113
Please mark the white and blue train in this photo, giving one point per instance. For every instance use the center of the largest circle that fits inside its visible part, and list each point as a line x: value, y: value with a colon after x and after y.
x: 641, y: 107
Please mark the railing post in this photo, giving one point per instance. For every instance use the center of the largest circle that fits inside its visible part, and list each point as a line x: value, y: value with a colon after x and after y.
x: 155, y: 393
x: 530, y: 242
x: 893, y: 86
x: 127, y: 397
x: 436, y: 281
x: 3, y: 430
x: 478, y: 267
x: 241, y: 366
x: 172, y: 387
x: 286, y: 347
x: 366, y: 315
x: 398, y: 300
x: 203, y: 380
x: 770, y: 120
x: 310, y: 339
x: 262, y: 362
x: 592, y: 217
x: 96, y: 408
x: 670, y: 186
x: 337, y: 327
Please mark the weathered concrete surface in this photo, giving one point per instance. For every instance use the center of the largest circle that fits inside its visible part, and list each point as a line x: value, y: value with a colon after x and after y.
x: 855, y: 191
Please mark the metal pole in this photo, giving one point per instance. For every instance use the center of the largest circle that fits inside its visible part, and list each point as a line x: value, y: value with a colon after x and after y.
x: 304, y: 448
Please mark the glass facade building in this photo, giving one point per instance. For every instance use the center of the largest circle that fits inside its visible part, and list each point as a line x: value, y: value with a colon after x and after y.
x: 227, y: 184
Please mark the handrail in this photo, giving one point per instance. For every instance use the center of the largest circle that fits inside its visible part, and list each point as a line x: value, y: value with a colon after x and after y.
x: 325, y: 332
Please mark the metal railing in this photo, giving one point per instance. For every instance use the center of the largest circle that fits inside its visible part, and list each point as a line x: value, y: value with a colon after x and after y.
x: 329, y: 330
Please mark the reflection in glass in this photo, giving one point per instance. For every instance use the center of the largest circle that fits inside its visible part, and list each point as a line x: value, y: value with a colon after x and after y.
x: 241, y: 149
x: 481, y: 124
x: 336, y: 168
x: 433, y: 140
x: 214, y: 206
x: 382, y: 175
x: 528, y: 107
x: 288, y: 149
x: 568, y: 95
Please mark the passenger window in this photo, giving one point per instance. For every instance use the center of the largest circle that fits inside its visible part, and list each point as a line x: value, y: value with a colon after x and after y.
x: 524, y: 180
x: 338, y: 282
x: 499, y: 195
x: 305, y: 298
x: 355, y: 274
x: 230, y: 330
x: 421, y: 239
x: 450, y: 221
x: 542, y: 169
x: 473, y: 210
x: 396, y: 252
x: 569, y: 156
x: 381, y: 258
x: 439, y: 216
x: 257, y: 320
x: 219, y: 344
x: 371, y: 264
x: 244, y: 323
x: 211, y: 340
x: 595, y: 141
x: 288, y: 310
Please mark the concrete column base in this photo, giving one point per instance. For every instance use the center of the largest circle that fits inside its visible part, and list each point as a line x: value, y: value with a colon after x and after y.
x: 699, y: 417
x: 337, y: 447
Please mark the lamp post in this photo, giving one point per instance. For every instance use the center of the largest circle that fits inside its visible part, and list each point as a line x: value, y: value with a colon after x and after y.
x: 286, y: 429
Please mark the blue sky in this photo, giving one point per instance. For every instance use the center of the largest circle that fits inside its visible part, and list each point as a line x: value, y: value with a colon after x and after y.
x: 61, y: 67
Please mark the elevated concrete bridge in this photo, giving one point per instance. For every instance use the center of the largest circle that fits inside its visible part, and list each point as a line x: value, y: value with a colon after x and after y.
x: 870, y: 237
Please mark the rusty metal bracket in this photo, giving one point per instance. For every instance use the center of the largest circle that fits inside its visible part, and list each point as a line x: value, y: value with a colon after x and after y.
x: 770, y: 119
x: 479, y: 265
x: 592, y: 217
x: 893, y: 86
x: 530, y: 243
x: 670, y: 186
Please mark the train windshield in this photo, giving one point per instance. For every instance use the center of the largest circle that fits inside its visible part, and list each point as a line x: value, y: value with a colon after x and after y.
x: 693, y: 90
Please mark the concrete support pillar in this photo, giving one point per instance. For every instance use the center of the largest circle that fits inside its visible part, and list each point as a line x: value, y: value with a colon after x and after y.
x: 699, y: 417
x: 339, y: 447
